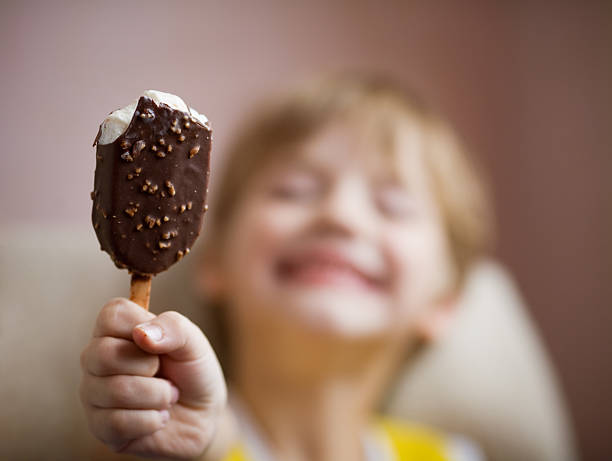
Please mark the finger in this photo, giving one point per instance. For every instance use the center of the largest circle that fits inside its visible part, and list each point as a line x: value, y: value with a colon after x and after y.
x: 188, y: 360
x: 202, y: 432
x: 107, y: 356
x: 129, y: 392
x: 118, y: 317
x: 117, y: 426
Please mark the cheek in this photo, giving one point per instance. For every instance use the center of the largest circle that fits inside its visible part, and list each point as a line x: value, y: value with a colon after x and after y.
x: 419, y: 256
x: 258, y: 235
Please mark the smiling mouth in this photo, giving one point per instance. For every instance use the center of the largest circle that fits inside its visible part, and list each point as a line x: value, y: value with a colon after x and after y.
x: 327, y: 270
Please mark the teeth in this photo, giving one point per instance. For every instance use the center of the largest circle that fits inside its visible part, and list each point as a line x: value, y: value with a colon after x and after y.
x: 326, y: 266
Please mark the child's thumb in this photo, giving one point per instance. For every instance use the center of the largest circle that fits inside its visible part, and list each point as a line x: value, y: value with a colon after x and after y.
x: 190, y: 361
x: 172, y: 334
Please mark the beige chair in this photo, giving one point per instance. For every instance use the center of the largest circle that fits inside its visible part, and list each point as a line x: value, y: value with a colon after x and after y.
x: 489, y: 378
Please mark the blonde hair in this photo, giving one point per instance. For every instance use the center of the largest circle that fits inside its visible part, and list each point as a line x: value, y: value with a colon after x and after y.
x: 456, y: 180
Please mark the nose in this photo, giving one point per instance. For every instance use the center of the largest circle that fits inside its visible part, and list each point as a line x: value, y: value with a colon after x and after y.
x: 346, y: 209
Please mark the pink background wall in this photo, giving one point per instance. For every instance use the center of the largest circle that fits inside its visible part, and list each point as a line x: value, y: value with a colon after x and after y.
x: 529, y: 87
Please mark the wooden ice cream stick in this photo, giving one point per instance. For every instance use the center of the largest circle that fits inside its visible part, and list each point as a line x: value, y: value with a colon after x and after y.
x: 140, y: 290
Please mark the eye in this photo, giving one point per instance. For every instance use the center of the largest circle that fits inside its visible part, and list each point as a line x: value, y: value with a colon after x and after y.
x: 396, y: 202
x: 295, y: 186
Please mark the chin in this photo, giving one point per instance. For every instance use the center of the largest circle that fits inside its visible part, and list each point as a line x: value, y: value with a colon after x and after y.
x: 338, y: 313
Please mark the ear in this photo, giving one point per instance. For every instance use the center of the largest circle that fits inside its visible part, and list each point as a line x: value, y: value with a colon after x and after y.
x: 435, y: 320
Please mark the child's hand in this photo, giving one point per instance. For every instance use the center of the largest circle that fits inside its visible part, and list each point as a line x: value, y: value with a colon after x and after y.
x: 151, y: 385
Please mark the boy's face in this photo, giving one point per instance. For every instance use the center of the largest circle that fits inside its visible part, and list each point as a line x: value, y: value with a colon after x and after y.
x: 338, y: 238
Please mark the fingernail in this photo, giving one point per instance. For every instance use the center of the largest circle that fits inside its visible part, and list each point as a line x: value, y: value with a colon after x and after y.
x: 165, y: 416
x: 175, y: 393
x: 154, y: 332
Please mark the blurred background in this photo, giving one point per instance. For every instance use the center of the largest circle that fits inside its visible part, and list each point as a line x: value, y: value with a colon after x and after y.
x: 527, y: 84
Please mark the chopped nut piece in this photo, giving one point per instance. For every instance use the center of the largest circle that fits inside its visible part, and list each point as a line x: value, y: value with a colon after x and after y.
x: 127, y: 157
x: 171, y: 189
x: 169, y: 149
x: 147, y: 115
x: 125, y: 144
x: 189, y: 205
x: 150, y: 221
x: 139, y: 227
x: 182, y: 210
x: 154, y: 148
x: 131, y: 211
x: 166, y: 219
x: 164, y: 245
x: 138, y: 147
x: 181, y: 138
x: 151, y: 189
x: 186, y: 125
x: 194, y: 150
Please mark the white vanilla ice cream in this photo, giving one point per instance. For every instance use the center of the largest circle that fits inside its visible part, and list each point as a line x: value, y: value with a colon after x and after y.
x: 117, y: 122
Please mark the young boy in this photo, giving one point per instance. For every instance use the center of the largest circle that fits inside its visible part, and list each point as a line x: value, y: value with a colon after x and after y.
x: 341, y: 234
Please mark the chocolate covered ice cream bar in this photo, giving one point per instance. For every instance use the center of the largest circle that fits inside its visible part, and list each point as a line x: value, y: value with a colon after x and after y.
x: 151, y: 182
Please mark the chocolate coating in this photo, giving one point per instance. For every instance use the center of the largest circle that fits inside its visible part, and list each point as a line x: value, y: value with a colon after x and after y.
x: 150, y: 188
